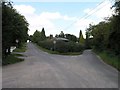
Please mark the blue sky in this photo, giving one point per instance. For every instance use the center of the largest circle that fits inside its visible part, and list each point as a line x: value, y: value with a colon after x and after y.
x: 62, y: 16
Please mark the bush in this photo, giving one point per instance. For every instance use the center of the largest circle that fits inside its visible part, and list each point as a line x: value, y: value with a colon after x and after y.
x: 64, y: 47
x: 61, y: 46
x: 48, y: 44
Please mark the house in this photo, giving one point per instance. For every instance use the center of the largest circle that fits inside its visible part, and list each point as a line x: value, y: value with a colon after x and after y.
x: 60, y: 39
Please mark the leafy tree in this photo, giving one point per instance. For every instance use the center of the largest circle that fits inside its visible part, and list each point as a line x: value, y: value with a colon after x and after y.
x: 81, y: 39
x: 14, y: 27
x: 114, y: 37
x: 39, y: 36
x: 89, y: 37
x: 51, y: 36
x: 61, y: 34
x: 56, y: 35
x: 43, y: 36
x: 71, y: 37
x: 36, y: 36
x: 106, y: 34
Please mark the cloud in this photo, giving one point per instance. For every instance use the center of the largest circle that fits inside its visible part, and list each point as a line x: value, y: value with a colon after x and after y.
x: 96, y: 15
x: 48, y: 19
x: 101, y: 11
x: 25, y: 9
x: 44, y: 19
x: 57, y: 0
x: 82, y: 24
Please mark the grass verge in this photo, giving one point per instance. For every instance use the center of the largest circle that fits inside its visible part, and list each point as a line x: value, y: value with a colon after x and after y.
x: 11, y: 59
x: 110, y: 59
x: 21, y: 49
x: 14, y: 57
x: 55, y: 52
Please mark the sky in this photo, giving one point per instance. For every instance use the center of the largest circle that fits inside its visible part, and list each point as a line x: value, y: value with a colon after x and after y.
x: 69, y: 16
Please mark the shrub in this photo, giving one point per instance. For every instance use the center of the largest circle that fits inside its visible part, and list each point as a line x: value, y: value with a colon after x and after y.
x: 48, y: 44
x: 61, y: 46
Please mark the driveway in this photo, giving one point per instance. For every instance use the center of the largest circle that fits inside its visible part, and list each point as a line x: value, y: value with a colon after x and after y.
x: 43, y: 70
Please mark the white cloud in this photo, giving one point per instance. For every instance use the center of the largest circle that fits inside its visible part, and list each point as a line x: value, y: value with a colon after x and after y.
x: 69, y: 18
x: 47, y: 19
x: 82, y: 24
x: 96, y: 15
x: 44, y: 19
x: 86, y: 10
x: 49, y: 15
x: 101, y: 11
x: 25, y: 9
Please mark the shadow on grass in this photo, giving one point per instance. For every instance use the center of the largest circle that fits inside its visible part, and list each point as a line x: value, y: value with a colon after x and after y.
x: 11, y: 59
x: 21, y: 49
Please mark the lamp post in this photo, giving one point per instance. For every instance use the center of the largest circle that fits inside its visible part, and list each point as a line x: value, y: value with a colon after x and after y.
x: 54, y: 42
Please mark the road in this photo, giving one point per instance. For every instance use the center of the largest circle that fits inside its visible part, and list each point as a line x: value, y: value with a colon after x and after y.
x: 43, y: 70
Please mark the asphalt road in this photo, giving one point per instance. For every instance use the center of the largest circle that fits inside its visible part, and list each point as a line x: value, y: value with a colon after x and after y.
x: 43, y: 70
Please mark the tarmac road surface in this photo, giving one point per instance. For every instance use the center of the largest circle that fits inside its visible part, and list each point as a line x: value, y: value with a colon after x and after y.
x: 43, y: 70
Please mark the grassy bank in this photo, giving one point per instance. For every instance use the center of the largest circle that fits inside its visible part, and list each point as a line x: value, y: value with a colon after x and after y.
x: 110, y: 59
x: 55, y: 52
x: 21, y: 49
x: 14, y: 57
x: 11, y: 59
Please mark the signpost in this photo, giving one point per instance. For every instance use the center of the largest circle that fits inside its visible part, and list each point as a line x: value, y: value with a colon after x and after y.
x: 17, y: 42
x: 54, y: 42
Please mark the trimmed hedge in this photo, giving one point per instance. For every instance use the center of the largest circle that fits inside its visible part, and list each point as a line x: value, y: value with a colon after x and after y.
x: 61, y: 46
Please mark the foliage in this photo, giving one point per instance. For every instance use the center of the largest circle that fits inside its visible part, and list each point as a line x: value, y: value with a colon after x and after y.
x: 48, y: 44
x: 61, y: 34
x: 11, y: 59
x: 39, y: 36
x: 61, y: 46
x: 81, y: 39
x: 14, y: 27
x: 22, y: 48
x: 110, y: 58
x: 36, y: 36
x: 89, y: 38
x: 71, y: 37
x: 43, y: 36
x: 106, y: 34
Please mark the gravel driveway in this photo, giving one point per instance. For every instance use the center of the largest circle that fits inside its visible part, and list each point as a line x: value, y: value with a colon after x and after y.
x: 43, y: 70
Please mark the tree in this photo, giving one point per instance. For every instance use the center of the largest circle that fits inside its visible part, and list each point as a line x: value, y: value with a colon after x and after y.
x: 51, y: 36
x: 61, y: 34
x: 39, y: 36
x: 81, y: 39
x: 56, y: 35
x: 71, y: 37
x: 14, y: 27
x: 114, y: 37
x: 36, y: 36
x: 43, y: 36
x: 89, y: 37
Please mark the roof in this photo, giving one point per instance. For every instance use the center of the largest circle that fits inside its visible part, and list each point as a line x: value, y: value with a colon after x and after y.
x: 62, y: 39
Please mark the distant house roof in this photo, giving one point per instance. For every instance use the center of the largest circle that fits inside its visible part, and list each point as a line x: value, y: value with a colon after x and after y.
x: 62, y: 39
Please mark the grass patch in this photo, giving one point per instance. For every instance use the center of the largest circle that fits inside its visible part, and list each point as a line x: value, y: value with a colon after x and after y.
x: 11, y: 59
x: 21, y: 49
x: 55, y: 52
x: 19, y: 55
x: 110, y: 59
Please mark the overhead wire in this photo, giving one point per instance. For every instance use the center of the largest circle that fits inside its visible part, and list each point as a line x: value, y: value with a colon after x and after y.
x: 88, y: 15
